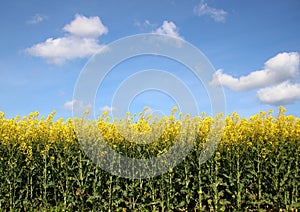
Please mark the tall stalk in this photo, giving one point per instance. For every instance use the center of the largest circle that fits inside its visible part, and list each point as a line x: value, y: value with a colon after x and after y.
x: 200, y: 191
x: 45, y: 179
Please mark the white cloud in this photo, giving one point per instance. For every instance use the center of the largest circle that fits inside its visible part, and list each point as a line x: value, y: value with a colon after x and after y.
x: 37, y: 18
x: 282, y: 67
x: 146, y: 25
x: 85, y: 27
x: 80, y: 42
x: 69, y: 105
x: 283, y: 93
x: 202, y: 9
x: 77, y: 105
x: 168, y: 28
x: 59, y: 50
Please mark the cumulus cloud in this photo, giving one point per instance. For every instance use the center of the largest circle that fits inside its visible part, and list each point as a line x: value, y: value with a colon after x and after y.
x: 283, y: 93
x: 86, y: 27
x: 168, y: 28
x: 282, y: 67
x: 203, y: 9
x: 59, y: 50
x: 37, y: 18
x: 80, y: 41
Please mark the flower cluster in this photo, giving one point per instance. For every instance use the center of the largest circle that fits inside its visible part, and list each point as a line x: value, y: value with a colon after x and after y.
x: 43, y: 133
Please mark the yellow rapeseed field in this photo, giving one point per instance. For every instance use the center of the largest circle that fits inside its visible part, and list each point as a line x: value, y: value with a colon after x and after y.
x: 256, y: 165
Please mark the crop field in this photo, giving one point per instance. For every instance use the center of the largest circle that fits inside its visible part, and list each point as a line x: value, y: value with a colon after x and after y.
x: 256, y: 166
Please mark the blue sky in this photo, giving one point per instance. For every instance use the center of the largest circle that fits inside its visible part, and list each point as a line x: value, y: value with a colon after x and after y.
x: 254, y: 47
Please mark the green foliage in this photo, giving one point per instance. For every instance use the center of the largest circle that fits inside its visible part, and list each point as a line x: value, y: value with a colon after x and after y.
x: 236, y: 178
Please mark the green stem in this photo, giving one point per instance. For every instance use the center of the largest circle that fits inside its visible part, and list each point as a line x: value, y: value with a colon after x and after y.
x: 11, y: 182
x: 187, y: 182
x: 215, y: 187
x: 259, y: 184
x: 110, y: 193
x: 239, y: 198
x: 95, y: 182
x: 295, y: 191
x: 45, y: 180
x: 80, y: 170
x: 200, y: 187
x: 31, y: 184
x: 153, y: 193
x: 65, y: 193
x: 170, y: 192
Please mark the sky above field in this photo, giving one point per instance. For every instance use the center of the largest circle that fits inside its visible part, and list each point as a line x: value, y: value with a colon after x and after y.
x: 254, y: 47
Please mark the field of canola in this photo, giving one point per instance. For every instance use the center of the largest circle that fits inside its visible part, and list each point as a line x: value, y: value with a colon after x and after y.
x: 256, y: 166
